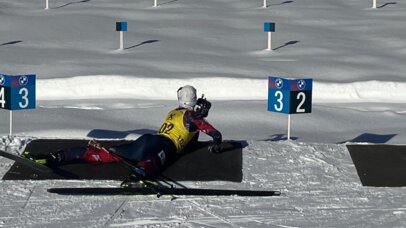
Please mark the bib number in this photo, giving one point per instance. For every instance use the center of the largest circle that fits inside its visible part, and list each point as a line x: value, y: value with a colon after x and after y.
x: 166, y: 128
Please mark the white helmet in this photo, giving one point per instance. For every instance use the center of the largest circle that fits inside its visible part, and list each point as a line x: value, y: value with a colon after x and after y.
x: 187, y: 96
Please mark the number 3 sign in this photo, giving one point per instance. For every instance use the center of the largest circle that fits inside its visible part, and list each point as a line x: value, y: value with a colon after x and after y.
x: 17, y: 92
x: 290, y: 96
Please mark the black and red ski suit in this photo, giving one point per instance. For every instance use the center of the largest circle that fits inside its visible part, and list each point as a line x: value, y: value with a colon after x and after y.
x: 154, y: 152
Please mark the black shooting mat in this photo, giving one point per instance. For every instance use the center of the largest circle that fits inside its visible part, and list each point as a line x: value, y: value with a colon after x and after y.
x: 380, y: 165
x: 197, y: 164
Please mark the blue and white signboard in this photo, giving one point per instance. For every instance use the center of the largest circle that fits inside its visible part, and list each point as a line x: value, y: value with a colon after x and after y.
x: 269, y: 27
x: 17, y: 92
x: 290, y: 96
x: 121, y: 26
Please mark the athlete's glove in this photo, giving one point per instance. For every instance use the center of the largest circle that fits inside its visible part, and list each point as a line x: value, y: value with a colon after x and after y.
x: 215, y: 148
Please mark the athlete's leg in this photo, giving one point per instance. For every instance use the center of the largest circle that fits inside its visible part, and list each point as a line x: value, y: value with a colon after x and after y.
x: 136, y: 150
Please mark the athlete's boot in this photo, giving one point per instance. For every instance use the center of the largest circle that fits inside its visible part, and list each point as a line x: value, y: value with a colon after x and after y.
x: 137, y: 179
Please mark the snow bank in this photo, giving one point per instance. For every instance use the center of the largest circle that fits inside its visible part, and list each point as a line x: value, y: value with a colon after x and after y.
x: 216, y: 88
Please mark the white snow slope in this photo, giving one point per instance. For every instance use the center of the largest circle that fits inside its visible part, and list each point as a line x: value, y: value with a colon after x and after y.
x: 86, y: 88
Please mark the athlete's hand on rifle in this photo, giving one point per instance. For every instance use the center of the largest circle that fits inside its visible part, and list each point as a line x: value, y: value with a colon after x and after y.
x: 215, y: 148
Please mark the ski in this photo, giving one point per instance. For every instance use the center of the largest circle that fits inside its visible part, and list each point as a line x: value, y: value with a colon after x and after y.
x: 159, y: 191
x: 26, y: 162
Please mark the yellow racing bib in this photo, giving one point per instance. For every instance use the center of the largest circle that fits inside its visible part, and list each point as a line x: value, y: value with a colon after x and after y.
x: 174, y: 129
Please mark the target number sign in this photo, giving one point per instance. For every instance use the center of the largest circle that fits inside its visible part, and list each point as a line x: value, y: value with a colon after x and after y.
x: 17, y: 92
x: 290, y: 96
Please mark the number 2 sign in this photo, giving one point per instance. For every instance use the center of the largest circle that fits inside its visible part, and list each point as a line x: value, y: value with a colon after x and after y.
x: 17, y: 92
x: 290, y: 96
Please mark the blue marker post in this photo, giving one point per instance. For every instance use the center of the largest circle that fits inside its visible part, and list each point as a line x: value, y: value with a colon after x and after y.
x: 121, y: 27
x: 269, y: 27
x: 17, y: 92
x: 290, y: 96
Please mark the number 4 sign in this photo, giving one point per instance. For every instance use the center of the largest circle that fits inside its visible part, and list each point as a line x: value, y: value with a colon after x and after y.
x: 290, y: 96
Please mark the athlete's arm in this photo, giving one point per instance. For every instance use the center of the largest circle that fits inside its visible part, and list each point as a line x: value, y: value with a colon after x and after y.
x: 208, y: 129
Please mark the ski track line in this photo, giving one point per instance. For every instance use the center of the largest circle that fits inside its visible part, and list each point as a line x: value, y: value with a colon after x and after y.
x: 28, y: 198
x: 116, y: 213
x: 198, y: 206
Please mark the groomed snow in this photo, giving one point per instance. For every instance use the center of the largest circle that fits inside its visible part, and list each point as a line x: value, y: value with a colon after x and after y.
x: 86, y: 88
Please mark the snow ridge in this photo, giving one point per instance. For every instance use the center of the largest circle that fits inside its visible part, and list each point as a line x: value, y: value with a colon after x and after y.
x: 216, y: 88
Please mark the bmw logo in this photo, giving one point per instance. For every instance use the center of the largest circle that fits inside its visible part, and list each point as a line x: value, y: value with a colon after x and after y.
x: 278, y: 83
x: 301, y: 84
x: 2, y: 80
x: 23, y: 80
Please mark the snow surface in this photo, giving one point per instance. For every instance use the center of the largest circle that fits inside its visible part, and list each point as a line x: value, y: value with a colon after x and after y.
x: 86, y: 88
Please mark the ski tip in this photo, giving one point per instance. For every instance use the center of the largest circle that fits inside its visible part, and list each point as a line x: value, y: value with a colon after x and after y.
x: 277, y: 193
x: 61, y: 191
x: 66, y: 191
x: 52, y: 190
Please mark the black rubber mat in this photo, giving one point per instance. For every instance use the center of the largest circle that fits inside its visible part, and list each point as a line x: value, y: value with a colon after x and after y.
x: 380, y: 165
x: 197, y: 164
